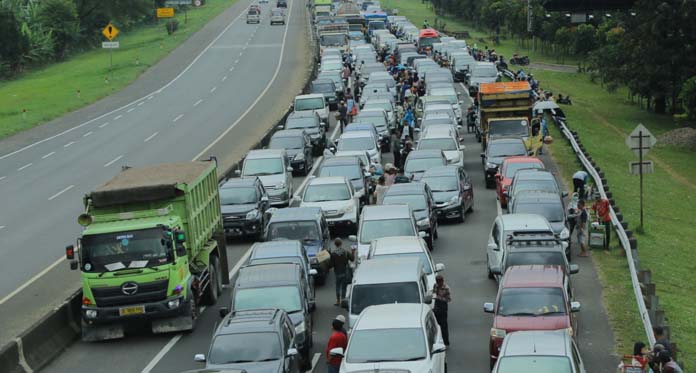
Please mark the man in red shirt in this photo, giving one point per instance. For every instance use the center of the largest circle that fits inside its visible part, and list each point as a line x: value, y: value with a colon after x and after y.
x: 337, y: 339
x: 601, y: 208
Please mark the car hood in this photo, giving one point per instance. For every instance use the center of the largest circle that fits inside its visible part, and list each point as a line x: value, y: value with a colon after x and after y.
x: 296, y: 317
x: 477, y: 81
x: 386, y: 366
x: 441, y: 197
x: 515, y: 323
x: 327, y: 206
x: 255, y: 367
x: 292, y: 152
x: 557, y: 226
x: 312, y: 247
x: 270, y: 181
x: 495, y: 160
x: 237, y: 209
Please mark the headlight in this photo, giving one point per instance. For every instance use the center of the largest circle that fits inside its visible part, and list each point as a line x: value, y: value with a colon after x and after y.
x: 253, y: 214
x: 497, y: 333
x: 454, y: 200
x: 172, y: 304
x: 423, y: 222
x: 299, y: 155
x: 348, y: 208
x: 300, y: 328
x: 491, y: 165
x: 565, y: 234
x: 313, y: 260
x: 280, y: 185
x: 91, y: 314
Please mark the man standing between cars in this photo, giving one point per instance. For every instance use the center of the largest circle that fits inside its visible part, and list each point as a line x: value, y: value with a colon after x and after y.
x: 340, y: 261
x: 581, y: 228
x: 579, y: 180
x: 442, y: 296
x: 337, y: 339
x: 601, y: 208
x: 343, y: 114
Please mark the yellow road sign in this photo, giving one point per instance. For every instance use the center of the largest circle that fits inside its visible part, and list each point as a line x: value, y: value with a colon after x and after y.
x: 110, y: 31
x: 165, y: 12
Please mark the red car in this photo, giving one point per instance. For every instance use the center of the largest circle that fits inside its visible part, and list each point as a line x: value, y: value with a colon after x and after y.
x: 531, y: 297
x: 510, y: 165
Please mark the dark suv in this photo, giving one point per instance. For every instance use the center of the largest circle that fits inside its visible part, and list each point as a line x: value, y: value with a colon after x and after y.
x: 244, y: 203
x: 312, y: 124
x: 255, y: 340
x: 298, y: 148
x: 280, y: 285
x: 420, y: 198
x: 452, y: 190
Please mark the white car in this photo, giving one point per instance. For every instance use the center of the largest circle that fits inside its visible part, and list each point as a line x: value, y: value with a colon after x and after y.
x: 312, y: 103
x: 378, y: 221
x: 337, y: 199
x: 360, y: 140
x: 395, y: 338
x: 406, y: 246
x: 445, y: 138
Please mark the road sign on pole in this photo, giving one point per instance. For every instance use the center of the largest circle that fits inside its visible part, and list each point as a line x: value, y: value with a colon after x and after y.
x: 640, y: 141
x: 110, y: 31
x: 635, y: 167
x: 110, y: 45
x: 165, y: 12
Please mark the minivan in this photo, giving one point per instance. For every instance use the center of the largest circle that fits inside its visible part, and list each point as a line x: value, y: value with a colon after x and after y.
x: 271, y: 166
x: 314, y: 102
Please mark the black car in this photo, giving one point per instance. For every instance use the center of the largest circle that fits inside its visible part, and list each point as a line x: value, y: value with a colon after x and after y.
x: 452, y: 190
x: 327, y: 88
x: 352, y: 169
x: 283, y: 286
x: 420, y: 198
x: 282, y: 4
x: 312, y: 124
x: 496, y: 151
x: 259, y: 340
x: 243, y: 203
x: 298, y: 148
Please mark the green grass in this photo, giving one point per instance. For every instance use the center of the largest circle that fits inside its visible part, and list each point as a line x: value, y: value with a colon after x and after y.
x: 50, y: 92
x: 603, y: 120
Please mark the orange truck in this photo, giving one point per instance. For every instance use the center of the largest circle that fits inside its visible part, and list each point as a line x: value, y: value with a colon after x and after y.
x: 505, y: 110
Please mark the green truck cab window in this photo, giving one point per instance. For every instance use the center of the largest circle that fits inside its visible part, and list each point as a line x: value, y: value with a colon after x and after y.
x: 132, y: 249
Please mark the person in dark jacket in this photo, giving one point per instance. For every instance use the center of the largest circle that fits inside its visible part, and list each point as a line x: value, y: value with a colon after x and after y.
x: 340, y: 262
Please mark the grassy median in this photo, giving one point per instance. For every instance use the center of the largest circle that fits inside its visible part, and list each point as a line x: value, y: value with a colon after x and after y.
x: 603, y: 120
x: 47, y: 93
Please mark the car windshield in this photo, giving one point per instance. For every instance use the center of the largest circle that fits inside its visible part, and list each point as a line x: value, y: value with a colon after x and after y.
x: 129, y: 249
x: 310, y: 124
x: 286, y: 142
x: 244, y: 348
x: 276, y: 13
x: 294, y: 230
x: 446, y: 92
x: 536, y: 364
x: 326, y: 192
x: 531, y: 302
x: 284, y: 297
x: 508, y: 128
x: 485, y: 72
x: 263, y: 166
x: 553, y: 212
x: 333, y: 40
x: 441, y: 183
x: 513, y: 167
x: 367, y: 295
x: 238, y: 196
x: 350, y: 172
x: 416, y: 201
x: 540, y: 185
x: 441, y: 143
x: 374, y: 229
x: 500, y: 149
x: 314, y: 103
x: 378, y: 105
x: 428, y: 42
x: 404, y: 344
x: 422, y: 164
x: 535, y: 257
x: 323, y: 88
x: 356, y: 143
x: 378, y: 121
x: 376, y: 25
x: 422, y: 256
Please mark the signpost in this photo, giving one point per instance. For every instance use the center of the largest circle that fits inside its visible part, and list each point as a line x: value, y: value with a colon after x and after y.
x: 640, y: 141
x: 110, y: 32
x: 165, y: 12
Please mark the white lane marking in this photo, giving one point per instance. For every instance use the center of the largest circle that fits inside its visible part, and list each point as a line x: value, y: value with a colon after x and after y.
x: 259, y: 97
x: 197, y: 102
x: 151, y: 136
x: 130, y: 110
x: 141, y: 104
x: 2, y: 178
x: 151, y: 365
x: 104, y: 125
x: 68, y: 144
x: 240, y: 54
x: 31, y: 280
x: 315, y: 360
x: 243, y: 48
x: 87, y: 134
x: 25, y: 166
x: 223, y: 78
x: 178, y: 117
x: 48, y: 155
x: 235, y: 61
x: 113, y: 161
x: 118, y: 117
x: 148, y: 96
x: 213, y: 89
x: 316, y: 163
x: 2, y: 227
x: 51, y: 198
x: 232, y: 68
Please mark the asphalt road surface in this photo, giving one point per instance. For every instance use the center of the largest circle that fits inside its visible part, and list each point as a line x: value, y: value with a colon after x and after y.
x: 460, y: 246
x: 215, y: 95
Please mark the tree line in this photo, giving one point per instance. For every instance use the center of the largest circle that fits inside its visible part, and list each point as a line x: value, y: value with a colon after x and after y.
x: 37, y: 32
x: 650, y: 49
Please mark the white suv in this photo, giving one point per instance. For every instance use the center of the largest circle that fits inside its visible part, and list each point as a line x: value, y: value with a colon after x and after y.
x: 312, y: 103
x: 337, y: 199
x: 443, y: 137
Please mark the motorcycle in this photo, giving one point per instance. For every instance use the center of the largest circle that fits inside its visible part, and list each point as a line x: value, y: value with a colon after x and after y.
x: 524, y: 60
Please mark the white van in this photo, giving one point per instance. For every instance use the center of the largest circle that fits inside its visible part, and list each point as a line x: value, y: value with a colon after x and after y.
x: 316, y: 103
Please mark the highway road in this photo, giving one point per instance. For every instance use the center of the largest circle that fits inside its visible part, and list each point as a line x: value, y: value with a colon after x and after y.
x: 215, y: 95
x: 460, y: 246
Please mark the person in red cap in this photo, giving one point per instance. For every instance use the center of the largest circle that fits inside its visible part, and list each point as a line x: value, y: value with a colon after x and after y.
x: 338, y: 338
x: 601, y: 208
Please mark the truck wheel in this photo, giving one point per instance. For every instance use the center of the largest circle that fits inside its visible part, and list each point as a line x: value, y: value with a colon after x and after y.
x: 215, y: 286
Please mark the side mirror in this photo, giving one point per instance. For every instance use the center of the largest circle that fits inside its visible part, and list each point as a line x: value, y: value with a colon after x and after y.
x: 179, y: 236
x: 422, y: 234
x: 493, y: 247
x: 70, y: 252
x: 200, y: 358
x: 291, y: 352
x: 289, y: 169
x: 353, y: 238
x: 575, y: 306
x: 281, y: 126
x: 264, y: 199
x: 223, y: 311
x: 496, y: 270
x: 428, y: 298
x: 238, y: 172
x: 488, y: 307
x: 74, y: 265
x: 438, y: 348
x: 574, y: 269
x: 338, y: 351
x: 483, y: 155
x: 313, y: 272
x: 439, y: 267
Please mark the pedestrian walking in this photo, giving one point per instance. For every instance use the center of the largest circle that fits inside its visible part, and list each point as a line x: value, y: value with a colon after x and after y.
x: 351, y: 109
x: 572, y: 213
x: 442, y: 296
x: 396, y: 149
x: 342, y: 114
x: 668, y: 364
x: 601, y: 210
x: 338, y: 339
x: 581, y: 228
x: 380, y: 190
x: 579, y: 181
x: 340, y: 262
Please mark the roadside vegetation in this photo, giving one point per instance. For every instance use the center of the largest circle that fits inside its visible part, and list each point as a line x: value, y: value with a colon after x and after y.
x: 603, y: 118
x: 36, y: 92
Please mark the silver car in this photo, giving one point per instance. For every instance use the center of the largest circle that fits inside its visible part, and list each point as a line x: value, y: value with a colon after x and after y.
x: 337, y: 199
x: 277, y: 16
x: 272, y: 168
x: 539, y: 351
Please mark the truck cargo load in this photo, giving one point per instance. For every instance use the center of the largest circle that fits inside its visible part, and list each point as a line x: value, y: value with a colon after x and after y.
x: 505, y: 110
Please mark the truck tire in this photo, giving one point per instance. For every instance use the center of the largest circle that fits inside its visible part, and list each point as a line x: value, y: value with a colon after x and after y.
x: 215, y: 286
x: 192, y: 312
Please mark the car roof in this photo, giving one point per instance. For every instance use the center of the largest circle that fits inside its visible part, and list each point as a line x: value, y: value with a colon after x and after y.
x: 240, y: 182
x: 275, y: 249
x: 402, y: 189
x: 289, y: 133
x: 537, y: 342
x: 534, y: 174
x: 521, y: 222
x: 311, y: 95
x: 341, y: 160
x: 296, y: 214
x: 392, y: 316
x: 302, y: 114
x: 326, y: 180
x: 525, y: 276
x: 398, y: 245
x: 353, y: 134
x: 386, y: 270
x: 438, y: 132
x: 264, y: 275
x: 383, y: 212
x: 265, y: 153
x: 537, y: 196
x: 260, y: 320
x: 425, y: 153
x: 506, y: 140
x: 522, y: 159
x: 322, y: 81
x: 441, y: 171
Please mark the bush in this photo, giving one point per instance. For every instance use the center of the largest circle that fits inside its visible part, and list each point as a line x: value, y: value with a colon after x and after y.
x: 688, y: 97
x: 59, y: 17
x: 172, y: 25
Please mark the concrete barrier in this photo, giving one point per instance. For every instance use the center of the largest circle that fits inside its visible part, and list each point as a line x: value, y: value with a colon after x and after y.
x: 9, y: 359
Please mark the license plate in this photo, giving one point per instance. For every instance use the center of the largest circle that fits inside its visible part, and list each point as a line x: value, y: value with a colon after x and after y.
x: 127, y: 311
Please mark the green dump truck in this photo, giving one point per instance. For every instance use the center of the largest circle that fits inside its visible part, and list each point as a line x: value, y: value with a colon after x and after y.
x: 152, y: 249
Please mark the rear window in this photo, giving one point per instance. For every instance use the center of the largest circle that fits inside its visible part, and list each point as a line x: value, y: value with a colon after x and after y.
x: 364, y: 296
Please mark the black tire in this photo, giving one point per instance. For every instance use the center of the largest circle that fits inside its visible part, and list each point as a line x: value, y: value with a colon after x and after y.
x: 488, y: 270
x: 435, y: 234
x: 429, y: 241
x: 462, y: 215
x: 320, y: 279
x: 192, y: 311
x: 215, y: 286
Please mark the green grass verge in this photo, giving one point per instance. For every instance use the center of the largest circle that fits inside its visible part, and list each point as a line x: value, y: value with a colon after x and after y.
x: 603, y: 120
x: 50, y: 92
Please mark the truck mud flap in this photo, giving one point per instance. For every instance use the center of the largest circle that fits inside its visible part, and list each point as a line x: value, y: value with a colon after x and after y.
x: 174, y: 324
x: 95, y: 333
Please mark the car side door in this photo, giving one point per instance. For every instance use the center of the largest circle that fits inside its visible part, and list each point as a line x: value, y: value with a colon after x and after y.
x: 307, y: 147
x: 467, y: 189
x: 290, y: 363
x: 434, y: 335
x: 494, y: 248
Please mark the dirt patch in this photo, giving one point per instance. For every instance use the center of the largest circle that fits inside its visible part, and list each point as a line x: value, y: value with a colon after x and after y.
x: 554, y: 67
x: 681, y: 137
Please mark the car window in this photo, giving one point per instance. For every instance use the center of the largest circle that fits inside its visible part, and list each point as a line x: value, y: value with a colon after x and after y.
x: 369, y: 345
x: 537, y: 364
x: 416, y: 201
x: 374, y: 229
x: 263, y: 166
x: 431, y: 330
x: 238, y: 196
x: 243, y: 347
x: 294, y: 230
x: 422, y: 164
x: 326, y: 192
x: 363, y: 296
x: 283, y: 297
x: 531, y: 302
x: 553, y: 212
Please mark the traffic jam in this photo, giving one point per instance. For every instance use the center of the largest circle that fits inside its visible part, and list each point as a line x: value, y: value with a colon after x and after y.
x: 377, y: 142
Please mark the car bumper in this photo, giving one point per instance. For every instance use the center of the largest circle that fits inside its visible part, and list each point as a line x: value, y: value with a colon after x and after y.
x: 490, y: 175
x: 278, y: 197
x: 298, y: 164
x: 151, y: 310
x: 448, y: 211
x: 347, y: 220
x: 242, y: 227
